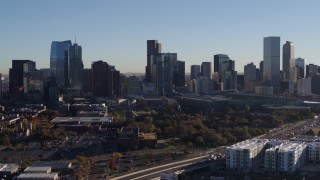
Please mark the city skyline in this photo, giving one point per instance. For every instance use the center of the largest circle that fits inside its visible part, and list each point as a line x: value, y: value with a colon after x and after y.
x: 116, y: 32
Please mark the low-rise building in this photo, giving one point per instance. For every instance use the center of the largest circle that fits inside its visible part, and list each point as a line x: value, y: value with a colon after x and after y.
x: 40, y: 176
x: 38, y: 169
x: 7, y: 171
x: 148, y: 140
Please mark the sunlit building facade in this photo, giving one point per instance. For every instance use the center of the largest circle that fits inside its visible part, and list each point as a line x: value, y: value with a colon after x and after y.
x: 271, y: 62
x: 59, y: 61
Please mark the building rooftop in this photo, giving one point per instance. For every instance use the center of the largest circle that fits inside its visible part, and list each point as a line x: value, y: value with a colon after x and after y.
x: 147, y: 136
x: 38, y: 169
x: 291, y: 147
x: 38, y: 176
x: 81, y: 119
x: 55, y: 164
x: 249, y: 144
x: 314, y: 144
x: 8, y: 167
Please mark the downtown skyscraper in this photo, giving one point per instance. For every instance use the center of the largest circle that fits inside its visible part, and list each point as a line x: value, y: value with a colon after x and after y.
x: 153, y: 48
x: 19, y: 74
x: 271, y: 62
x: 162, y: 72
x: 301, y: 67
x: 288, y: 61
x: 59, y: 61
x: 206, y: 69
x: 195, y: 71
x: 105, y: 80
x: 75, y: 66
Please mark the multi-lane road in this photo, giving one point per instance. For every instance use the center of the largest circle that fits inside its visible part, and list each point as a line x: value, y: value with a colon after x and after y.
x: 290, y: 130
x: 154, y: 172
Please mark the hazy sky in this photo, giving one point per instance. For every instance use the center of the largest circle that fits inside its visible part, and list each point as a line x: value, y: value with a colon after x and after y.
x: 116, y: 31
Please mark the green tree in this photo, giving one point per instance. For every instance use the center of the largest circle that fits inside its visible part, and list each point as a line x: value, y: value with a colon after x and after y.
x: 200, y: 141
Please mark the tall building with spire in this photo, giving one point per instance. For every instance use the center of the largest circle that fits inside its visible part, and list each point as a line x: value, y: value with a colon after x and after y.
x: 75, y: 66
x: 59, y: 61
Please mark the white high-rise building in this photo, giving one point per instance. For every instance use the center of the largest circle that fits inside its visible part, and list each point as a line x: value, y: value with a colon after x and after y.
x: 271, y: 62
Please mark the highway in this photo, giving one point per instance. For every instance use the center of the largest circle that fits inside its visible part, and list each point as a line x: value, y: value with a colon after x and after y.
x: 154, y: 172
x: 291, y: 130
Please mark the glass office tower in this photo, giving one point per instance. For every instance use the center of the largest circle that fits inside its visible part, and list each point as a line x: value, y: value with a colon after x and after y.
x: 59, y: 61
x: 271, y: 61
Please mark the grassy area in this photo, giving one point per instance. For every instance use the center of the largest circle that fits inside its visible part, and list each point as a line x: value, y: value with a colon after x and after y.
x: 153, y: 112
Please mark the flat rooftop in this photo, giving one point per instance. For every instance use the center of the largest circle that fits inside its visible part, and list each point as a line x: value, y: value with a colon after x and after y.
x: 58, y: 120
x: 38, y: 176
x: 291, y: 147
x: 249, y: 144
x: 37, y: 169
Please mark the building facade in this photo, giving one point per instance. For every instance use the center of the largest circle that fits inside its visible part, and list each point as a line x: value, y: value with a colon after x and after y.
x: 271, y: 62
x: 179, y: 74
x: 206, y: 69
x: 162, y: 72
x: 59, y: 61
x: 312, y: 70
x: 304, y: 86
x: 153, y: 48
x: 245, y: 155
x: 288, y: 60
x: 250, y: 76
x: 195, y: 71
x: 105, y: 80
x: 75, y: 66
x: 18, y: 75
x: 301, y: 67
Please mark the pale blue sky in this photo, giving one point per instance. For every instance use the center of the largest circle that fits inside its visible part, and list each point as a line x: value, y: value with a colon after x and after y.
x: 116, y: 31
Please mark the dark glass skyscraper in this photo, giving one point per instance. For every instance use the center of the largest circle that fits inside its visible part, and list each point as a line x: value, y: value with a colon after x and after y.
x: 75, y: 66
x: 58, y: 61
x: 105, y: 80
x: 179, y: 74
x: 18, y: 75
x: 153, y: 48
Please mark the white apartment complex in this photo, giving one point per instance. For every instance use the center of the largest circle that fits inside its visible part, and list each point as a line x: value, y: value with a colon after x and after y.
x: 244, y: 155
x: 286, y: 157
x: 314, y: 152
x: 276, y: 155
